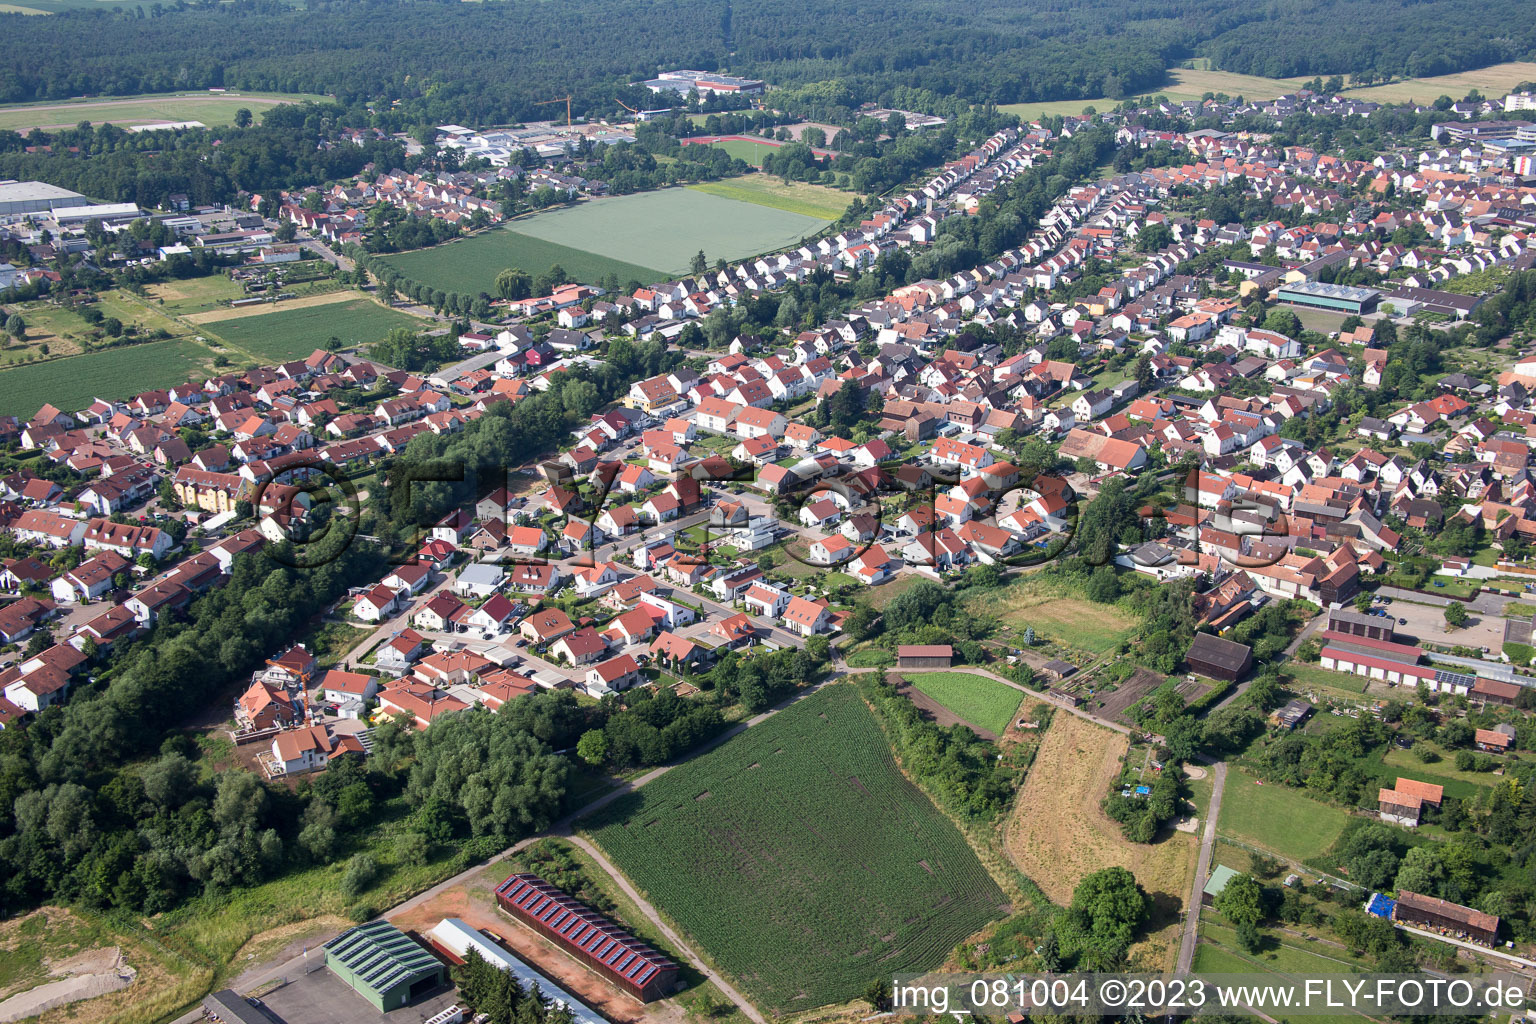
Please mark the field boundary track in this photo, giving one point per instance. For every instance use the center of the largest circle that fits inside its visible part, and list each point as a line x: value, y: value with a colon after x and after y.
x: 214, y: 316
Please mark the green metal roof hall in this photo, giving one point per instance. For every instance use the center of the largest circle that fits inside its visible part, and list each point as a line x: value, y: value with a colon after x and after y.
x: 384, y: 965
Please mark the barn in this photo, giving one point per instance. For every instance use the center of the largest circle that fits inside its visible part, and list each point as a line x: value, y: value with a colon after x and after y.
x: 588, y: 936
x: 1440, y: 915
x: 1220, y: 659
x: 924, y: 655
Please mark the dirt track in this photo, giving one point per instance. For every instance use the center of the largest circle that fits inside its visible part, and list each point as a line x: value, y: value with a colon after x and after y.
x: 214, y: 316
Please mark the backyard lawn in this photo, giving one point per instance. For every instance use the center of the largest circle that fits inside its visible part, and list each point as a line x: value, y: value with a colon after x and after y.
x: 1277, y: 818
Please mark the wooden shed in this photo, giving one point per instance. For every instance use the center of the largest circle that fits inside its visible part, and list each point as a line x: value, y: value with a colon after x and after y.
x: 924, y: 656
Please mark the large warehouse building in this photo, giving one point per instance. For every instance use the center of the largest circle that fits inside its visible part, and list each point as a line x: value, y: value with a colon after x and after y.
x: 1338, y: 297
x: 455, y: 938
x: 22, y: 197
x: 384, y: 965
x: 588, y: 936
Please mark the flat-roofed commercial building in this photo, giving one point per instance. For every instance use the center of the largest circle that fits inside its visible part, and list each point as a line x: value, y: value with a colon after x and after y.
x: 22, y: 197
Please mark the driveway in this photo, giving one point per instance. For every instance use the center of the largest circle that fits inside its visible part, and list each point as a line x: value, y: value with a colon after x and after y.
x: 1202, y: 870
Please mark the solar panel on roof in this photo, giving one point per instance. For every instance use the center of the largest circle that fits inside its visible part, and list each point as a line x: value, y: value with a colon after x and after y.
x: 634, y: 968
x: 623, y: 963
x: 645, y: 976
x: 1448, y: 678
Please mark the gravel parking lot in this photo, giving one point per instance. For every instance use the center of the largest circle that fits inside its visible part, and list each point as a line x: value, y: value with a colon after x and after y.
x: 322, y: 998
x: 1428, y: 623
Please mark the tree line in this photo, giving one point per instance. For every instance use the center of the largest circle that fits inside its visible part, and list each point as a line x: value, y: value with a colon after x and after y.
x: 925, y: 53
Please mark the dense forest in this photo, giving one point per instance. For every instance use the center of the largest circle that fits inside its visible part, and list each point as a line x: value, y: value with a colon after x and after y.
x: 490, y: 63
x: 109, y: 163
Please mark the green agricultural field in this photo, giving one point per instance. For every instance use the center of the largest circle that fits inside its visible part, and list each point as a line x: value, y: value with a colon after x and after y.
x: 295, y: 333
x: 666, y: 228
x: 794, y: 197
x: 758, y: 847
x: 645, y: 237
x: 209, y: 108
x: 72, y: 383
x: 977, y: 699
x: 1277, y: 818
x: 471, y: 265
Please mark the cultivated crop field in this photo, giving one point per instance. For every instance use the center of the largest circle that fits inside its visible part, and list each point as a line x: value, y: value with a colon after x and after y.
x: 209, y: 108
x: 295, y: 333
x: 471, y: 264
x: 666, y: 228
x: 977, y: 699
x: 73, y: 382
x: 794, y: 197
x: 1278, y: 818
x: 1058, y: 833
x: 758, y: 849
x: 1492, y: 81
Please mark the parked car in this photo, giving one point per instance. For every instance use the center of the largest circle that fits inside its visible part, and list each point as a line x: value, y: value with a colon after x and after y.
x: 1402, y: 622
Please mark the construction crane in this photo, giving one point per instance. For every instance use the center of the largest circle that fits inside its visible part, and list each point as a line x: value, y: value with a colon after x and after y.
x: 566, y: 100
x: 626, y: 106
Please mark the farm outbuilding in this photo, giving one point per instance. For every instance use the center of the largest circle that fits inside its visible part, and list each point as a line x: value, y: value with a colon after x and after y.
x: 588, y: 936
x: 1220, y: 659
x: 924, y: 655
x: 1220, y: 876
x: 1443, y: 916
x: 384, y: 965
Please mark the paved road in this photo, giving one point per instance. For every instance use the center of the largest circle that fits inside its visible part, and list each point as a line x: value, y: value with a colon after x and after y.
x: 1202, y: 869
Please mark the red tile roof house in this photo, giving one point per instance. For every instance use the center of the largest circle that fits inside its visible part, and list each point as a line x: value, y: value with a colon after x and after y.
x: 377, y: 603
x: 309, y: 749
x: 734, y: 630
x: 419, y: 703
x: 581, y: 647
x: 337, y: 686
x: 266, y: 707
x: 612, y: 675
x: 545, y: 625
x: 806, y: 618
